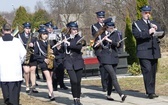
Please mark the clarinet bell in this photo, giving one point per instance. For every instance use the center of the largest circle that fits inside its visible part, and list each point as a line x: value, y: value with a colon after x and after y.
x: 83, y: 42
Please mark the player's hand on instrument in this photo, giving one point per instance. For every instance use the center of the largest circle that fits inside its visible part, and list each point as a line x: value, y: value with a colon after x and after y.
x: 46, y: 61
x: 59, y: 47
x: 109, y: 40
x: 154, y: 26
x: 68, y: 43
x: 51, y: 51
x: 152, y: 30
x: 30, y: 44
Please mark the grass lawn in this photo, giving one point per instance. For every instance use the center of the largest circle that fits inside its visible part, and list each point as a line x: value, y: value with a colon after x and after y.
x: 136, y: 83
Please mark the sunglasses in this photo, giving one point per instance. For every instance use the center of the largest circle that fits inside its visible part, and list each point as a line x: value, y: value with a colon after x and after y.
x: 147, y: 12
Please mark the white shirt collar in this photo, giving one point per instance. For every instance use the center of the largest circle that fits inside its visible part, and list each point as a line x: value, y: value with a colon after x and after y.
x: 101, y: 24
x: 146, y: 21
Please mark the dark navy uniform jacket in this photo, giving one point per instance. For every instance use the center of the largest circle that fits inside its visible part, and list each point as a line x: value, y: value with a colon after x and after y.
x: 147, y: 45
x: 94, y: 28
x: 73, y: 56
x: 40, y: 53
x: 24, y: 40
x: 109, y: 51
x: 59, y: 56
x: 40, y: 56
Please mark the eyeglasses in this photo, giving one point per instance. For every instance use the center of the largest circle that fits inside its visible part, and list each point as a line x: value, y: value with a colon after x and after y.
x: 147, y: 12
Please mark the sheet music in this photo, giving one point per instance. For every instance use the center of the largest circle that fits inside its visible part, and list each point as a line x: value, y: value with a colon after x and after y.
x: 158, y: 33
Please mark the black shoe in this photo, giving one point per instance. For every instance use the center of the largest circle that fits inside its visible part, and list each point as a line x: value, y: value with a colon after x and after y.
x: 78, y: 102
x: 52, y: 99
x: 104, y: 90
x: 150, y: 96
x: 49, y: 96
x: 110, y: 99
x: 113, y: 89
x: 55, y: 89
x: 36, y: 84
x: 155, y: 96
x: 123, y: 97
x: 38, y: 77
x: 27, y: 90
x: 34, y: 90
x: 65, y: 88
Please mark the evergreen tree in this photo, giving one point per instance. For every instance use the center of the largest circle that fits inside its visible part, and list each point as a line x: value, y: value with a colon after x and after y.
x: 130, y: 42
x: 21, y: 16
x: 139, y: 4
x: 40, y: 17
x: 2, y: 21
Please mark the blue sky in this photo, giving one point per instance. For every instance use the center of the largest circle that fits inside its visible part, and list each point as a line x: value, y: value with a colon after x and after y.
x: 10, y: 5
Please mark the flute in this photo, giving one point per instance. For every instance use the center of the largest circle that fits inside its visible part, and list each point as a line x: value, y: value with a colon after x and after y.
x: 60, y: 42
x: 122, y: 40
x: 101, y: 41
x: 80, y: 39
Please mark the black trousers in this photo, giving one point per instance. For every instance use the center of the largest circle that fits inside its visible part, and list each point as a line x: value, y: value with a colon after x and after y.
x: 104, y: 75
x: 75, y: 80
x: 112, y: 79
x: 58, y: 76
x: 149, y: 68
x: 11, y: 92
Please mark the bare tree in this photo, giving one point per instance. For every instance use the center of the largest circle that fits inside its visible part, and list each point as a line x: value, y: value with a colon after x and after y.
x: 66, y: 8
x: 39, y: 5
x: 159, y: 12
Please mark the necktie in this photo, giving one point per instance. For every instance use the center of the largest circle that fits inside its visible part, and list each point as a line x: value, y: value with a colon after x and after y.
x: 148, y: 23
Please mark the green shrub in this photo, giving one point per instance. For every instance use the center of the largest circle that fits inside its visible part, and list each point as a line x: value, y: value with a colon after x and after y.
x: 134, y: 69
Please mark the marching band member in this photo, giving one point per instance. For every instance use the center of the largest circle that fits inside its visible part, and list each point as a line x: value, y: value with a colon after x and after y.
x: 41, y: 54
x: 95, y: 28
x: 74, y: 62
x: 148, y: 49
x: 29, y: 67
x: 109, y: 56
x: 58, y: 75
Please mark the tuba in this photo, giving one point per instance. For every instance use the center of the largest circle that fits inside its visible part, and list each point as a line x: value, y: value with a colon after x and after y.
x: 50, y: 56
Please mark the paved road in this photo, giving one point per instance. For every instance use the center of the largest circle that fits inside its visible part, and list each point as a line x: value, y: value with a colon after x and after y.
x: 92, y: 95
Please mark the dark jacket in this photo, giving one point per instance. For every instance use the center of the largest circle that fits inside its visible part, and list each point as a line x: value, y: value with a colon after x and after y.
x: 109, y: 53
x: 73, y: 60
x: 24, y: 41
x: 37, y: 53
x: 94, y: 28
x: 147, y: 45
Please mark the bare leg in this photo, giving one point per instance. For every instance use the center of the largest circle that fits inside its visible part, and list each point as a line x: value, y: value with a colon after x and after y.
x: 26, y: 76
x: 48, y: 76
x: 33, y: 75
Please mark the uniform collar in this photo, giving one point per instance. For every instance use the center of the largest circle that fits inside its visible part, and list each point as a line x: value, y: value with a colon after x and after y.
x: 101, y: 24
x: 7, y: 37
